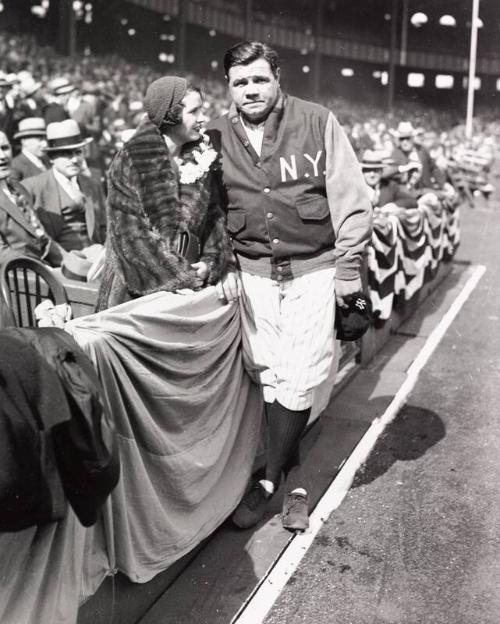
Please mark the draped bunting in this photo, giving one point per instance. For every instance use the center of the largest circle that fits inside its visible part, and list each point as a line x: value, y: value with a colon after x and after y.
x: 406, y: 249
x: 188, y: 422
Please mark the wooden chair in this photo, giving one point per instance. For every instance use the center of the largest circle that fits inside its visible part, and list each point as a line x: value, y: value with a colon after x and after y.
x: 26, y: 282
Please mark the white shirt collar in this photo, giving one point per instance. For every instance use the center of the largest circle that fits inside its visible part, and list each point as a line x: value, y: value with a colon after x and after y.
x: 69, y: 185
x: 255, y: 134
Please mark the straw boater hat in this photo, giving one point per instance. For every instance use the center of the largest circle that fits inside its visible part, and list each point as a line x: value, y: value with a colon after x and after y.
x: 31, y: 127
x: 63, y: 135
x: 372, y: 160
x: 27, y: 84
x: 61, y: 86
x: 7, y: 80
x: 404, y: 130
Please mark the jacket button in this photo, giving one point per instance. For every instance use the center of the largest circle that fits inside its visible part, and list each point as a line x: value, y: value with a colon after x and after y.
x: 279, y: 278
x: 279, y: 269
x: 234, y: 120
x: 257, y: 164
x: 246, y: 143
x: 269, y: 215
x: 267, y: 190
x: 276, y: 241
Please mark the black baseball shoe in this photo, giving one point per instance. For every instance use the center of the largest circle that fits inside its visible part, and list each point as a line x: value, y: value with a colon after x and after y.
x: 294, y: 516
x: 251, y: 508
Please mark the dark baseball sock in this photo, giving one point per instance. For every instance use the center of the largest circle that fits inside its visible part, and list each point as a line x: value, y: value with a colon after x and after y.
x: 285, y: 428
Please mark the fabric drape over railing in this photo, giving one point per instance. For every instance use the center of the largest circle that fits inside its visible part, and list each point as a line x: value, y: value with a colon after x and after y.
x: 188, y: 421
x: 406, y: 250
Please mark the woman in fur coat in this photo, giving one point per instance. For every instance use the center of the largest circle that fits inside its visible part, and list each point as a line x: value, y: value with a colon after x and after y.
x: 165, y: 226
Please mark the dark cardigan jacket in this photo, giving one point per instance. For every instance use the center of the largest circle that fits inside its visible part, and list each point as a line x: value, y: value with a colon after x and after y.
x: 147, y: 210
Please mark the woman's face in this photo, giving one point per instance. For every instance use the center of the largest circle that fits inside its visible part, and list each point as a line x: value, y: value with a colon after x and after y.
x: 193, y: 119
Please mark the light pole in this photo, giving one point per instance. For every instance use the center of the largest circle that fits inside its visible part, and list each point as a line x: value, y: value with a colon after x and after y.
x: 472, y: 68
x: 392, y: 58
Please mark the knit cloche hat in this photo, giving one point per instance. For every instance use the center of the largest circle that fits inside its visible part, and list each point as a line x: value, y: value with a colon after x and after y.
x: 162, y: 95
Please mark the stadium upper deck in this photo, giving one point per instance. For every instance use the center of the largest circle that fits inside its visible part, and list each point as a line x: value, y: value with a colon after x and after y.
x: 336, y: 47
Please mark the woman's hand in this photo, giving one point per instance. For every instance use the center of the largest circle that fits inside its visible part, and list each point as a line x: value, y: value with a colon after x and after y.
x: 201, y: 269
x: 229, y: 288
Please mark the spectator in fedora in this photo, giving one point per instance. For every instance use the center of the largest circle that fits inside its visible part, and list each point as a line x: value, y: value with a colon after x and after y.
x: 407, y: 152
x: 28, y: 103
x: 21, y: 232
x: 60, y: 90
x: 8, y: 119
x: 70, y: 205
x: 383, y: 191
x: 32, y: 160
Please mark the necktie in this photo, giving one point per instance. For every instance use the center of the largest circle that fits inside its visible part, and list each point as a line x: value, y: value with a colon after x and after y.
x: 28, y: 212
x: 78, y: 196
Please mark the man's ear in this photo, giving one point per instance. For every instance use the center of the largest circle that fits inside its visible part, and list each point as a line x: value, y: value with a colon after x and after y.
x: 278, y: 74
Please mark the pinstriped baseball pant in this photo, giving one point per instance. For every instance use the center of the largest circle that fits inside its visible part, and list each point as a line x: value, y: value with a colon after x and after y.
x: 288, y: 334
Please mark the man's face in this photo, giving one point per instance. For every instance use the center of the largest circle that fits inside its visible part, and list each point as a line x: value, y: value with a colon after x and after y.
x: 372, y: 176
x: 5, y: 156
x: 406, y: 144
x: 68, y: 162
x: 193, y: 119
x: 34, y: 145
x: 254, y: 89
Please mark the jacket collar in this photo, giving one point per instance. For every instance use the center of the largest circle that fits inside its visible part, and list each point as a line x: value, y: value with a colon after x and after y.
x: 271, y: 127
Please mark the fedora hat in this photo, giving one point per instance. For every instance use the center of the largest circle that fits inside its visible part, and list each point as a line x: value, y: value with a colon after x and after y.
x: 31, y: 127
x: 404, y: 130
x: 372, y: 160
x: 63, y: 135
x: 75, y: 266
x: 60, y: 86
x: 28, y: 85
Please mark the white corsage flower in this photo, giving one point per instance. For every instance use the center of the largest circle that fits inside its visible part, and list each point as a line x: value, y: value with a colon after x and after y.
x: 204, y: 156
x: 189, y: 173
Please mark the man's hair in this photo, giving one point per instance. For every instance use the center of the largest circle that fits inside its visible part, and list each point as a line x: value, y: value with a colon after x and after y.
x: 173, y: 116
x: 247, y: 52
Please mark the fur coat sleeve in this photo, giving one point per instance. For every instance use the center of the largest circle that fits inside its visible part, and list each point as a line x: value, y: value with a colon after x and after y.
x: 216, y: 246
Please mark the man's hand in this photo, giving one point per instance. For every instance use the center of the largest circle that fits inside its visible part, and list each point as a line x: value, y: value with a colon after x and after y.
x: 229, y: 287
x: 344, y: 288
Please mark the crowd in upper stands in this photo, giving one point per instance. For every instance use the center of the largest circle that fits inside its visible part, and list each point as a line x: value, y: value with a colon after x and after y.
x: 91, y: 105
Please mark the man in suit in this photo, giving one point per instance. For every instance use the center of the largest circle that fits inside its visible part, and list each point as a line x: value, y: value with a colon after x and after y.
x: 8, y: 118
x: 384, y: 191
x: 70, y: 205
x: 32, y: 160
x: 408, y: 151
x: 21, y: 233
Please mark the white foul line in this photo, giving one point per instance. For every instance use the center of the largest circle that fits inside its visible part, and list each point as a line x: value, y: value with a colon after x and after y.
x: 267, y: 592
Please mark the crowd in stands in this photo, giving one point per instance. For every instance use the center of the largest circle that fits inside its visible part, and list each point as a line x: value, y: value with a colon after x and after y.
x: 414, y: 153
